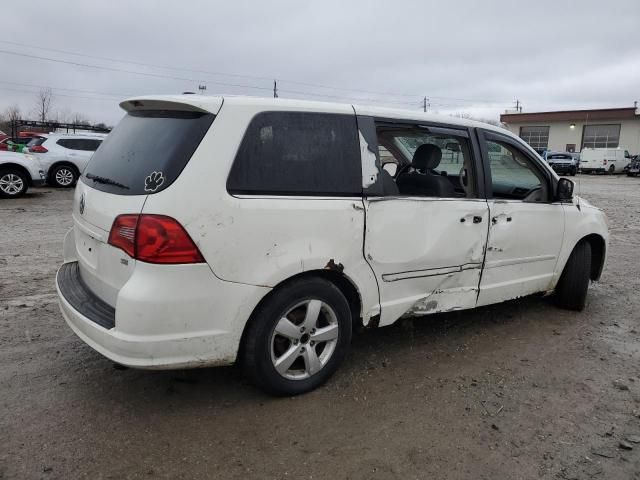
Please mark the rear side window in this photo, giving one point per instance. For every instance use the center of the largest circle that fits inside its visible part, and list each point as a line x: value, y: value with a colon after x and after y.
x: 84, y: 144
x: 90, y: 145
x: 146, y: 151
x: 298, y: 153
x: 67, y: 143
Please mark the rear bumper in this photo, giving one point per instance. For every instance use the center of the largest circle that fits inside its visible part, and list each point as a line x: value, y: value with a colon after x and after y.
x: 161, y: 323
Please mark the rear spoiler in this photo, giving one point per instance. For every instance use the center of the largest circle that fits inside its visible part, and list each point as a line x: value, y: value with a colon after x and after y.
x: 174, y: 102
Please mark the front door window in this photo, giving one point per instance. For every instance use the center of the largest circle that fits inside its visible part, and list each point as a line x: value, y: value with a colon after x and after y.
x: 513, y: 175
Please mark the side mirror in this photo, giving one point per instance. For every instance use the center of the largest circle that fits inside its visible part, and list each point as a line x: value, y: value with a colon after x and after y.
x: 564, y: 192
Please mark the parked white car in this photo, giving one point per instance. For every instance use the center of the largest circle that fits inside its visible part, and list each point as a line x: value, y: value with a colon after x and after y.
x: 18, y: 172
x: 65, y: 155
x: 611, y: 160
x: 262, y: 231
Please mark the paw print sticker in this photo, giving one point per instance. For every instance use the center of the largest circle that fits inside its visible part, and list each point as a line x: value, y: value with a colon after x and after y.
x: 153, y: 182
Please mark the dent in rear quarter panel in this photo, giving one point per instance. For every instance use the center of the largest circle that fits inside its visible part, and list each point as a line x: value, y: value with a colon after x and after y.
x: 263, y: 241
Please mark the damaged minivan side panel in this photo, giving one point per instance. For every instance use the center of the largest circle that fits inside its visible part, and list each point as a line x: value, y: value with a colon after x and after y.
x: 425, y: 258
x: 266, y: 237
x: 426, y: 252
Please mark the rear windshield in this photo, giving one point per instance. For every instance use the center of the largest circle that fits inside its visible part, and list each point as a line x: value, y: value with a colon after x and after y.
x: 35, y: 141
x: 146, y: 151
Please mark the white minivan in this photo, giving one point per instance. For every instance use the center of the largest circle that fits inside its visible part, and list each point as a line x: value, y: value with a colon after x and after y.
x: 609, y: 160
x: 214, y: 230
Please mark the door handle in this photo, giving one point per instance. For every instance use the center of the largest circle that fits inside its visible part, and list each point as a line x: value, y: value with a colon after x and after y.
x: 474, y: 219
x: 494, y: 220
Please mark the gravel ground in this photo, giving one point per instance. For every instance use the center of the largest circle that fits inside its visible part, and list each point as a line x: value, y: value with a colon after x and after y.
x: 518, y: 390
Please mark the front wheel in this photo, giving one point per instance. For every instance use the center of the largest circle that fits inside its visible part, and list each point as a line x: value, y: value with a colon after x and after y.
x: 63, y: 176
x: 571, y: 291
x: 13, y: 183
x: 297, y: 338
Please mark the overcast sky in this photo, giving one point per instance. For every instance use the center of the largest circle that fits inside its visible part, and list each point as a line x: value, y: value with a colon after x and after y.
x: 472, y: 57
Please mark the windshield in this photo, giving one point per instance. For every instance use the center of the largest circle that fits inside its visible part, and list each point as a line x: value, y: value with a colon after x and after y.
x: 146, y: 151
x: 35, y: 141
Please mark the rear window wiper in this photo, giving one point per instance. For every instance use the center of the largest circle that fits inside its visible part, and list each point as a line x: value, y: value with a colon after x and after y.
x: 105, y: 181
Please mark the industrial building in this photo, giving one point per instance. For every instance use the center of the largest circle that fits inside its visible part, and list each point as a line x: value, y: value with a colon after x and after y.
x: 573, y: 130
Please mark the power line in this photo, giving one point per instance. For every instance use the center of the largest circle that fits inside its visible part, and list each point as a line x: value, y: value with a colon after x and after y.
x: 122, y: 70
x: 351, y: 99
x: 156, y: 75
x: 57, y: 94
x: 141, y: 64
x: 228, y: 74
x: 113, y: 94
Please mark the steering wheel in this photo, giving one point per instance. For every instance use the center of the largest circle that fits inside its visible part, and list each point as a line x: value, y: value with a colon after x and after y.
x: 531, y: 192
x: 402, y: 169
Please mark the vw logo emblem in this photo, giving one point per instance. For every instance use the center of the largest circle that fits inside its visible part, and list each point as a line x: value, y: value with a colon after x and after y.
x: 82, y: 204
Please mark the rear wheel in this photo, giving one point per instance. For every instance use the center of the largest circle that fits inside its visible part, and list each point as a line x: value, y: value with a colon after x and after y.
x: 297, y: 338
x: 13, y: 183
x: 612, y: 169
x: 63, y: 176
x: 571, y: 291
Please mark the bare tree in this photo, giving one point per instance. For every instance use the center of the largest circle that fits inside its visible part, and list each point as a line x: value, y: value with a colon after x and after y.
x: 9, y: 118
x: 12, y: 113
x: 79, y: 119
x: 44, y: 101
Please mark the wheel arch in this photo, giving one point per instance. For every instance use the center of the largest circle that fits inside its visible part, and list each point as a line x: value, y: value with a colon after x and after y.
x: 598, y: 254
x: 20, y: 168
x: 338, y: 279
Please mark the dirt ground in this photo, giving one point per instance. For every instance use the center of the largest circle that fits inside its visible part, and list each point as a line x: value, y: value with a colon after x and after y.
x: 519, y: 390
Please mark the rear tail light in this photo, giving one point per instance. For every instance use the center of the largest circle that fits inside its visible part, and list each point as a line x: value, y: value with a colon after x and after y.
x: 123, y: 233
x: 604, y: 162
x: 38, y: 149
x: 154, y: 239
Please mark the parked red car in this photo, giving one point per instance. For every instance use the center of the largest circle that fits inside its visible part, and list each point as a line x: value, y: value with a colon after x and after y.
x: 9, y: 143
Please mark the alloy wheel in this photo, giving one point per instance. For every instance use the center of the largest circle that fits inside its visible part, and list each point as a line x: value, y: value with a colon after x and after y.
x: 11, y: 184
x: 304, y: 339
x: 64, y: 177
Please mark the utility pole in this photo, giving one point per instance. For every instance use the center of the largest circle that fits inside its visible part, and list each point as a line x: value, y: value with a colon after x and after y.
x: 275, y: 89
x: 426, y: 104
x: 518, y: 106
x: 202, y: 88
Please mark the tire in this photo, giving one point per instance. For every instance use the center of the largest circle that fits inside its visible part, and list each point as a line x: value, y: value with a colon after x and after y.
x: 274, y: 336
x: 13, y: 183
x: 612, y: 169
x: 63, y: 176
x: 571, y: 291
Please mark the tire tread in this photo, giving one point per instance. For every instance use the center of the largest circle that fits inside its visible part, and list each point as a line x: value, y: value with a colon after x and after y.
x: 571, y: 291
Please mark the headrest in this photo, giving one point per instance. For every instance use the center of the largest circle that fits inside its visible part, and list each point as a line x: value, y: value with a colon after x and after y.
x: 426, y: 157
